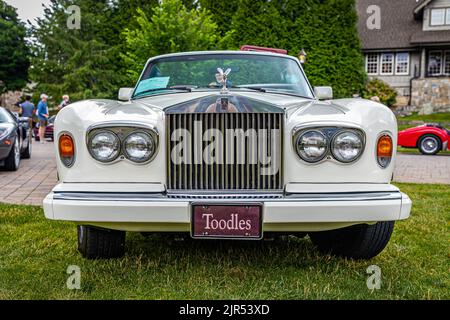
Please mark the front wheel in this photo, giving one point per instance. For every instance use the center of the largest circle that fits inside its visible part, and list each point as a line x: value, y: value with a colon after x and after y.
x: 97, y: 243
x: 13, y: 160
x: 356, y: 242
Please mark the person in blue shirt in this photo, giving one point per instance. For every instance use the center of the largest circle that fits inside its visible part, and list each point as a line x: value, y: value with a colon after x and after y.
x: 27, y: 107
x: 42, y: 114
x: 27, y: 110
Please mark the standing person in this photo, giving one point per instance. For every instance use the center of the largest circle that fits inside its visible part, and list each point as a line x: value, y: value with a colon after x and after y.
x: 42, y: 114
x: 27, y: 110
x: 27, y: 107
x: 64, y: 102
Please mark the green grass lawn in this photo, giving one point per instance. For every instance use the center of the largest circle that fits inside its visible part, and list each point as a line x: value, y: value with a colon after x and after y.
x: 35, y: 253
x: 416, y: 151
x: 435, y: 117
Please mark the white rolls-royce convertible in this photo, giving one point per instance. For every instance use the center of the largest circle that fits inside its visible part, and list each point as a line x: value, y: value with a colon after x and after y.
x: 227, y: 145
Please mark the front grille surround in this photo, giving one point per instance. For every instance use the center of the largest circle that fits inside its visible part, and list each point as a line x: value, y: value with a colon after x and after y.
x: 240, y: 176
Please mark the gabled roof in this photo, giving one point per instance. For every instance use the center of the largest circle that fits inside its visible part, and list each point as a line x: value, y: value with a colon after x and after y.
x: 399, y: 27
x: 421, y: 5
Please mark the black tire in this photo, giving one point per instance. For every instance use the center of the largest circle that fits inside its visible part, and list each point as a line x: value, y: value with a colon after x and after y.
x: 97, y: 243
x: 361, y: 241
x: 11, y: 163
x: 26, y: 154
x: 429, y: 144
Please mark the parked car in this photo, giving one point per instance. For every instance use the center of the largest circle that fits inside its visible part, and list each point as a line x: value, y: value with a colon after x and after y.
x: 14, y: 140
x: 428, y: 138
x: 48, y: 129
x: 227, y: 145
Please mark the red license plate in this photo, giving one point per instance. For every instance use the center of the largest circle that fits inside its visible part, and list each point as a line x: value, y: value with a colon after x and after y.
x: 227, y: 221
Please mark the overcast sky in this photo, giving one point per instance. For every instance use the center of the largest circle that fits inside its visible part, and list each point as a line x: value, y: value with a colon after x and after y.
x: 28, y: 9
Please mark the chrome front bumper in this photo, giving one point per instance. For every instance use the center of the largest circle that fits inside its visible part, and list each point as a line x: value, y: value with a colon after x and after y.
x: 287, y: 211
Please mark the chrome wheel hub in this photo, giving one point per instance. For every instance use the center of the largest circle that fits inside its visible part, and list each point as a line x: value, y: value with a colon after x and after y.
x: 430, y: 145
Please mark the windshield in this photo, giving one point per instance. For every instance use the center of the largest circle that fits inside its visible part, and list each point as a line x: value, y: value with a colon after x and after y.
x: 247, y: 72
x: 5, y: 116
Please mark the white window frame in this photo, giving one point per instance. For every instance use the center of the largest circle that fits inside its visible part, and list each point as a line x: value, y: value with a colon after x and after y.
x: 446, y: 56
x: 442, y: 63
x: 377, y: 63
x: 392, y: 64
x: 447, y: 17
x: 407, y: 64
x: 431, y: 17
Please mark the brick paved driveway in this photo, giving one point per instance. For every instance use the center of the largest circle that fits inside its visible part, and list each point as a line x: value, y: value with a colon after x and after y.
x: 37, y: 176
x: 34, y: 179
x: 422, y: 169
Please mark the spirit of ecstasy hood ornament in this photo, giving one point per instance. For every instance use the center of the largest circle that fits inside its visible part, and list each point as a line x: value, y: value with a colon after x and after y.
x: 221, y: 77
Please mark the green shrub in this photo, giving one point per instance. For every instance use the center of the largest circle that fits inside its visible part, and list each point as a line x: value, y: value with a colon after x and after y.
x: 382, y: 90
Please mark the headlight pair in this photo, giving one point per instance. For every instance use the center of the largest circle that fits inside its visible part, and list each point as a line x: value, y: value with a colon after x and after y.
x: 106, y: 145
x: 345, y: 145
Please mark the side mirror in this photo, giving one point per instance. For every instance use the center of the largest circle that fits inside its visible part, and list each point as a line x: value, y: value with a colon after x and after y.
x: 323, y: 93
x: 125, y: 94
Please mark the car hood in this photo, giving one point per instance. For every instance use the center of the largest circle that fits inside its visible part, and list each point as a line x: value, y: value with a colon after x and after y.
x: 6, y: 125
x: 237, y: 102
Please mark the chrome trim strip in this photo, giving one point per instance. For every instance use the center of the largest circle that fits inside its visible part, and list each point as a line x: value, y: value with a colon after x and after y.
x: 250, y: 197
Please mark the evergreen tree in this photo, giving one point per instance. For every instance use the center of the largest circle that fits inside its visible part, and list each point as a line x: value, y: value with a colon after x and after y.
x: 83, y: 63
x: 325, y: 29
x: 14, y: 53
x: 222, y: 12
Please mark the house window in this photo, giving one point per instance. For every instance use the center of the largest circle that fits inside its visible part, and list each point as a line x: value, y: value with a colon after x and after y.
x: 437, y: 17
x: 402, y: 63
x: 372, y: 63
x: 434, y: 63
x: 447, y: 63
x: 387, y: 63
x: 440, y: 17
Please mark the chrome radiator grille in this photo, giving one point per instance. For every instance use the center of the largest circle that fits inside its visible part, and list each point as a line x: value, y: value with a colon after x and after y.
x: 224, y: 151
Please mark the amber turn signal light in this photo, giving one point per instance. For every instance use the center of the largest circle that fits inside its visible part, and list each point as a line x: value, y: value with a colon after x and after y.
x: 384, y: 150
x: 66, y: 149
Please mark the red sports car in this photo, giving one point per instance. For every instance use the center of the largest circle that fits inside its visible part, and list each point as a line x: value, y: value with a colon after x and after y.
x: 429, y: 138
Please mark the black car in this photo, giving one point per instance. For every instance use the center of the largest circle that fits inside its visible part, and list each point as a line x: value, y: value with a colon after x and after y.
x: 14, y: 139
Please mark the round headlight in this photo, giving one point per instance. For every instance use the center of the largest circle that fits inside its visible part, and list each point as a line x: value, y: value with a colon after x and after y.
x: 347, y: 146
x: 139, y: 147
x: 104, y: 146
x: 312, y: 146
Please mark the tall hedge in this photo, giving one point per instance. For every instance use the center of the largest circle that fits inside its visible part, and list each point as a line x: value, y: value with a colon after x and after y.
x: 326, y: 29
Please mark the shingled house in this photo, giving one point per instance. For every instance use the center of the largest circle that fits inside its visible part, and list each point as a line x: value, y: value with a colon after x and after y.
x: 406, y: 43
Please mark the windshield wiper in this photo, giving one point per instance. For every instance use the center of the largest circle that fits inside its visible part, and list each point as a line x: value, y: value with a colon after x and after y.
x: 262, y: 89
x: 173, y: 88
